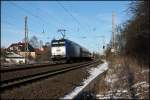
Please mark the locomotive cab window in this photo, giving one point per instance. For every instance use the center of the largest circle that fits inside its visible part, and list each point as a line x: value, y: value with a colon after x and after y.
x: 58, y: 43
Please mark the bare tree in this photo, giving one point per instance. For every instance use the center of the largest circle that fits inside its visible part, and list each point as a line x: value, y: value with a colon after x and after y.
x: 40, y: 43
x: 34, y: 42
x: 135, y: 31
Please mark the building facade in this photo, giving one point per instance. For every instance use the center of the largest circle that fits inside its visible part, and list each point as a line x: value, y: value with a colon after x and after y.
x: 19, y: 48
x: 14, y: 58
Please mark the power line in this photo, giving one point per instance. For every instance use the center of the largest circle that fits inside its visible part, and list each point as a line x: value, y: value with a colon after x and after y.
x: 37, y: 17
x: 12, y: 17
x: 13, y: 25
x: 58, y: 22
x: 67, y: 11
x: 86, y: 23
x: 22, y: 29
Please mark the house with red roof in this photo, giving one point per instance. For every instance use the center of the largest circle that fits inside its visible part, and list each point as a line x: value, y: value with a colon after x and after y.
x: 19, y: 48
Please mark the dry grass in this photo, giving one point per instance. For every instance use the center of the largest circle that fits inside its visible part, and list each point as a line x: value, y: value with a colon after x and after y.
x: 102, y: 86
x: 125, y: 72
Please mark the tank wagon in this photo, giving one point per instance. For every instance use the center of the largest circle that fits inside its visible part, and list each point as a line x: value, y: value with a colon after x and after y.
x: 67, y: 50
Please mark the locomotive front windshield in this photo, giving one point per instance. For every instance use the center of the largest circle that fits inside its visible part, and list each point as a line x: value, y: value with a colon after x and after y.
x: 58, y: 43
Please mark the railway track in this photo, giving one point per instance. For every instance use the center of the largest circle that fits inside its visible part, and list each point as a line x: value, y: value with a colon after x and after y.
x: 7, y: 84
x: 28, y: 66
x: 14, y: 74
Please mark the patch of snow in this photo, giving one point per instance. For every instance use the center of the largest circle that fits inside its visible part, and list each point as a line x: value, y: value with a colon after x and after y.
x: 124, y: 91
x: 143, y: 84
x: 94, y: 72
x: 137, y: 94
x: 111, y: 78
x: 146, y: 70
x: 113, y: 95
x: 119, y: 65
x: 102, y: 96
x: 118, y: 90
x: 109, y: 92
x: 118, y: 93
x: 146, y: 91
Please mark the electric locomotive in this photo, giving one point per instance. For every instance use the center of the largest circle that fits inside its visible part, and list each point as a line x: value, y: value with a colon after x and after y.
x: 67, y: 50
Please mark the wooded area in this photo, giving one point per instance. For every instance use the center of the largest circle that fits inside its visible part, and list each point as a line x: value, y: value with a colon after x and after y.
x: 134, y: 34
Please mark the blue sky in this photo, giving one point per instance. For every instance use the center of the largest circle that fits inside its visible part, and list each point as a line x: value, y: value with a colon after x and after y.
x: 90, y: 22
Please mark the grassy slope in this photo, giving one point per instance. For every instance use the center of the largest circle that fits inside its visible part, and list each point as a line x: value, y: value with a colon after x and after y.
x: 126, y: 78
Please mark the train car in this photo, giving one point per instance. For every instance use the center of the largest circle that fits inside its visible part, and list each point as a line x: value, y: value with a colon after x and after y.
x: 64, y: 49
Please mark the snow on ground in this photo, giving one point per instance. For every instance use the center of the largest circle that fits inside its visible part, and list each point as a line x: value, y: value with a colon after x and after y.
x: 94, y: 72
x: 142, y: 89
x: 113, y: 95
x: 142, y: 84
x: 111, y: 78
x: 146, y: 70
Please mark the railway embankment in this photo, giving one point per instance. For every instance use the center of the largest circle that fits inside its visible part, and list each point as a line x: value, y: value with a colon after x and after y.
x: 126, y: 78
x: 80, y: 92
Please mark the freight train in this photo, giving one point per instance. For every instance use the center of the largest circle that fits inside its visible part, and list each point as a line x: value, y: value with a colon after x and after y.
x: 69, y: 51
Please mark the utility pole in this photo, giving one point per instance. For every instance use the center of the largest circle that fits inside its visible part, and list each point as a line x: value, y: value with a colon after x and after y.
x: 63, y: 32
x: 26, y: 40
x: 113, y: 33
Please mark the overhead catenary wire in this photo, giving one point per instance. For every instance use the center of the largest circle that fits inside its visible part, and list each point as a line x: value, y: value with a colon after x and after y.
x: 54, y: 19
x: 85, y: 22
x: 69, y: 13
x: 14, y: 25
x: 37, y: 17
x: 30, y: 13
x: 43, y: 21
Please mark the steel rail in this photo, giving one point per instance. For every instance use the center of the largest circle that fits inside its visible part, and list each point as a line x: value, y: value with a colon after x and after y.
x: 27, y: 79
x: 30, y: 66
x: 33, y: 73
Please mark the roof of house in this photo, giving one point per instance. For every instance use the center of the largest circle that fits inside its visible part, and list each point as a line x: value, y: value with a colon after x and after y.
x: 21, y: 46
